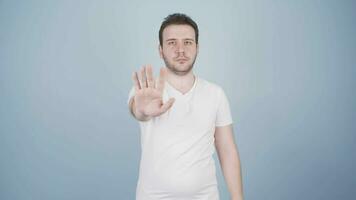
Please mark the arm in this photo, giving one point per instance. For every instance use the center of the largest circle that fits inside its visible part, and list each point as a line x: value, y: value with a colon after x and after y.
x: 229, y: 160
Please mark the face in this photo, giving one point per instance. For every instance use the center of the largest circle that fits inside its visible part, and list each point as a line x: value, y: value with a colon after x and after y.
x: 179, y: 48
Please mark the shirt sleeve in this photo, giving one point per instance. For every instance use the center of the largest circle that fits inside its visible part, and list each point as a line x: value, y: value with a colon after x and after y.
x: 223, y: 115
x: 131, y: 94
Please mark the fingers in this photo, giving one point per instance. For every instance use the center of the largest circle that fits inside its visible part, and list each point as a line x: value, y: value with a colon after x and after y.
x: 139, y: 79
x: 143, y: 77
x: 136, y: 81
x: 161, y: 79
x: 150, y: 81
x: 167, y: 105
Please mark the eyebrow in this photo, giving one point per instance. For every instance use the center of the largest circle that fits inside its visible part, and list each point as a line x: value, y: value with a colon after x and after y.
x: 172, y: 39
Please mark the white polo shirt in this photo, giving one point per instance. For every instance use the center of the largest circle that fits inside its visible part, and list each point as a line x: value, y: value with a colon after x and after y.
x: 178, y: 146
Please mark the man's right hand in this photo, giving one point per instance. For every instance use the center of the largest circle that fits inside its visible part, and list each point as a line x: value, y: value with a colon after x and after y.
x: 147, y: 101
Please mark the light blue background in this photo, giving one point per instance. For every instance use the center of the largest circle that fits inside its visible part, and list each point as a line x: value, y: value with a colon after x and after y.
x: 287, y: 67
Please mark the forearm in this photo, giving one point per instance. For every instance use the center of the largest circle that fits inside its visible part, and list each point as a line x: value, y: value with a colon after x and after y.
x: 231, y: 167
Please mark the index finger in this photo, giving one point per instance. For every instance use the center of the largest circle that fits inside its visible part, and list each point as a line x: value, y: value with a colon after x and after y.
x: 161, y: 79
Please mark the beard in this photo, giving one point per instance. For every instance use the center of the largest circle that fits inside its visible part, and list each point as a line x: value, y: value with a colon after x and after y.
x: 175, y: 69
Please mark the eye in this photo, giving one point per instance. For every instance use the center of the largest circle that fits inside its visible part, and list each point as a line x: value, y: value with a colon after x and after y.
x: 188, y: 42
x: 171, y: 42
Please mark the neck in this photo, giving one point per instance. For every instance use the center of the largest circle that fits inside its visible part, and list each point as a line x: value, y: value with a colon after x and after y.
x: 182, y: 83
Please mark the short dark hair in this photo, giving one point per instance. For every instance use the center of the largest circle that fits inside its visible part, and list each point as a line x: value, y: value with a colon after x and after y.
x: 178, y: 19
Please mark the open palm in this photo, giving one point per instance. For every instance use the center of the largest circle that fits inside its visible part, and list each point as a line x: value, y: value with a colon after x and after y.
x: 148, y: 95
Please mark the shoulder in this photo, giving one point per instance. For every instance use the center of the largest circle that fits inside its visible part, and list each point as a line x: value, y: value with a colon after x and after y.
x: 210, y: 86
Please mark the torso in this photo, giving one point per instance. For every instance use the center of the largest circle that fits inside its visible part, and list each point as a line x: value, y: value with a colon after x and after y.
x: 177, y: 147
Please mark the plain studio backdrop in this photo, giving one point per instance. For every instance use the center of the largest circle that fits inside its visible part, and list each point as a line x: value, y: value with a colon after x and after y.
x: 287, y: 67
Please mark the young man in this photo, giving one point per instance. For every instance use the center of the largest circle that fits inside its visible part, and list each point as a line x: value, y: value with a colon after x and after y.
x: 182, y: 118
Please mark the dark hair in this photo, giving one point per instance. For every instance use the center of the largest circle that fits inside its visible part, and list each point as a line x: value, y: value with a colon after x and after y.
x: 178, y: 19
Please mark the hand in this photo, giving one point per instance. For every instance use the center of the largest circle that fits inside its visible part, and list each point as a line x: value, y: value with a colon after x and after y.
x: 148, y: 95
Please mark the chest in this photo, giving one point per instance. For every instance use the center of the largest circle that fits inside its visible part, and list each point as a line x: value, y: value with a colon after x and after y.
x: 197, y: 113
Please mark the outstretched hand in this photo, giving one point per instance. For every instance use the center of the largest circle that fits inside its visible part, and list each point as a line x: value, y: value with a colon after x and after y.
x: 148, y: 93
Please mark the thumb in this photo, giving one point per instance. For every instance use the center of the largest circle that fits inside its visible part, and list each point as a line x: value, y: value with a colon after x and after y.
x: 167, y: 105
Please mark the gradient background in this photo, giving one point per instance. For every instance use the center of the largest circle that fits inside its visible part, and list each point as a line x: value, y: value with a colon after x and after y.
x: 287, y: 67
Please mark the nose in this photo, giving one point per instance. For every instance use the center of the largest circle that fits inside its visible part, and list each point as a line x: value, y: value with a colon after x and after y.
x: 180, y: 47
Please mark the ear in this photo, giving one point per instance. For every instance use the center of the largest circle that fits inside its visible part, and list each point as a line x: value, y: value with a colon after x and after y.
x: 160, y: 50
x: 197, y: 48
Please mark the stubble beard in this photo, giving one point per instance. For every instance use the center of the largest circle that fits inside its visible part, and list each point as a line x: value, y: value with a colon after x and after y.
x: 175, y: 69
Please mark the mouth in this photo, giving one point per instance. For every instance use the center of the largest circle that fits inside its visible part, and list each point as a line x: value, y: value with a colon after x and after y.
x: 182, y: 60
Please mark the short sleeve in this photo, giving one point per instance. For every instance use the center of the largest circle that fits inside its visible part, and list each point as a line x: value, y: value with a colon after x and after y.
x: 131, y: 94
x: 223, y: 115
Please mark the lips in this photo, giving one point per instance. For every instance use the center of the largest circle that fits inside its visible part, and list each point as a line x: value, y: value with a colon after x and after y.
x: 182, y: 60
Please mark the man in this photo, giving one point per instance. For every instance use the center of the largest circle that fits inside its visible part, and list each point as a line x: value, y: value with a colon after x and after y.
x: 182, y: 117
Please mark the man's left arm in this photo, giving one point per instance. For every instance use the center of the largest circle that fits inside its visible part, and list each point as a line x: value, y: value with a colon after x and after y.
x: 229, y: 160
